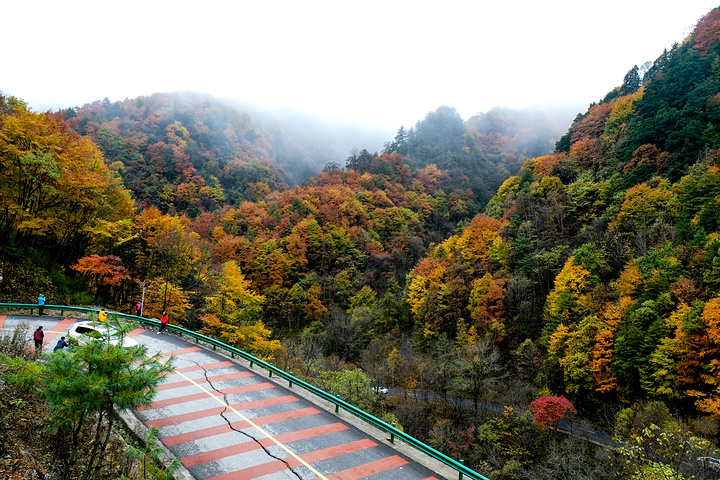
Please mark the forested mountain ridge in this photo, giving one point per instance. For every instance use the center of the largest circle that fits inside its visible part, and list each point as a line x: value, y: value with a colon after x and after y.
x: 604, y: 254
x: 186, y: 152
x: 486, y: 149
x: 210, y: 163
x: 594, y: 269
x: 181, y: 152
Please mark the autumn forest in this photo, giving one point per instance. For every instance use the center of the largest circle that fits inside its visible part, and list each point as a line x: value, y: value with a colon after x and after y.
x: 502, y: 259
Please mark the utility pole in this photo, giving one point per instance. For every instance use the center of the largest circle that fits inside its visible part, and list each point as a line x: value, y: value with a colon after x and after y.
x: 142, y: 302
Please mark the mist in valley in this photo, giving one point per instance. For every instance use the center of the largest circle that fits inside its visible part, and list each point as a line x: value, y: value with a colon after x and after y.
x: 305, y: 143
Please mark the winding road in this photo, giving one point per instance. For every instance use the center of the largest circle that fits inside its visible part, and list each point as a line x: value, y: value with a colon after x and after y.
x: 226, y: 421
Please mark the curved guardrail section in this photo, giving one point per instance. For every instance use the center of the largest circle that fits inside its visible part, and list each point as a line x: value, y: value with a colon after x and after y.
x: 338, y: 402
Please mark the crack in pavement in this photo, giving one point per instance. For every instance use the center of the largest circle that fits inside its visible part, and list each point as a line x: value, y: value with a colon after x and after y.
x: 227, y: 420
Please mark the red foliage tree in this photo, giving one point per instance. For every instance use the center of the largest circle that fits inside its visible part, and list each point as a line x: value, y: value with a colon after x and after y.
x: 548, y: 411
x: 104, y: 273
x: 102, y: 270
x: 707, y: 32
x: 649, y: 154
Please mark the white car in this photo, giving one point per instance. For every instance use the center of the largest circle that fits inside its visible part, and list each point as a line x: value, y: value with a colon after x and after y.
x: 84, y: 332
x: 382, y: 390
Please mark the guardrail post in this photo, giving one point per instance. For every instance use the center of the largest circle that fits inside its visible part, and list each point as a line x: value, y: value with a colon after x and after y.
x: 392, y: 434
x: 337, y: 408
x: 270, y: 370
x: 251, y: 363
x: 462, y: 462
x: 290, y: 381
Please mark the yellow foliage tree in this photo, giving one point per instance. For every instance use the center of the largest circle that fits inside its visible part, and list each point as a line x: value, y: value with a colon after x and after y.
x: 576, y: 361
x: 231, y: 314
x: 55, y: 186
x: 429, y: 274
x: 630, y: 281
x: 417, y: 294
x: 314, y: 309
x: 162, y: 295
x: 476, y: 240
x: 570, y: 284
x: 641, y: 206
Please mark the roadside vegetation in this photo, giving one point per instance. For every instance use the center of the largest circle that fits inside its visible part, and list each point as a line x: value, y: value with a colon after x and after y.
x: 59, y: 411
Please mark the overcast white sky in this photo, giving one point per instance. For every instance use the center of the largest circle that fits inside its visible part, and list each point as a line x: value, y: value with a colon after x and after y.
x: 375, y: 62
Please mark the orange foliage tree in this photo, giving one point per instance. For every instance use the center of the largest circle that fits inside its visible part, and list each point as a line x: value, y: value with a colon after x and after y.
x: 487, y: 304
x: 708, y: 393
x: 102, y: 272
x: 55, y: 189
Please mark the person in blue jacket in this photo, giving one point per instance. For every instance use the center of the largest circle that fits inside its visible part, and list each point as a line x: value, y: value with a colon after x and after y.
x: 62, y: 343
x: 41, y: 304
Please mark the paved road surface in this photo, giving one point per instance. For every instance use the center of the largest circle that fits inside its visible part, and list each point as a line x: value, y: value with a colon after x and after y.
x: 225, y: 421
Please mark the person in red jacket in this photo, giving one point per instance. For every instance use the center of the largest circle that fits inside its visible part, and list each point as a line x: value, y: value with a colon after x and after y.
x: 39, y: 336
x: 163, y: 322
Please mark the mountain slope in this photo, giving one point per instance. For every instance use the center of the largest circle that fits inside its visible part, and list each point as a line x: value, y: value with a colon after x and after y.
x: 187, y: 152
x: 607, y: 250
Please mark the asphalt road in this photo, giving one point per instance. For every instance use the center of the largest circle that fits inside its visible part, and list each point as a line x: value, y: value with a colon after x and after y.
x: 226, y: 421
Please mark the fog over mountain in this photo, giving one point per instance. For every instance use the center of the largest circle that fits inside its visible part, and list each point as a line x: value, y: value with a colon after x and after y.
x: 317, y: 139
x: 323, y: 140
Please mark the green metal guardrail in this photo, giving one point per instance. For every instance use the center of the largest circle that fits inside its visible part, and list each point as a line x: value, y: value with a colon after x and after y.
x: 339, y: 403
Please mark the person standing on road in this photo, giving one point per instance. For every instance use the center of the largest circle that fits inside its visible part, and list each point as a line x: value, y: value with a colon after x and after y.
x: 62, y: 343
x: 163, y: 322
x: 41, y: 304
x: 39, y: 336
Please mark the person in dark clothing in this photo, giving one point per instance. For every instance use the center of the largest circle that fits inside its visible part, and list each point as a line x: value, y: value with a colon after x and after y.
x: 62, y: 343
x: 39, y: 336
